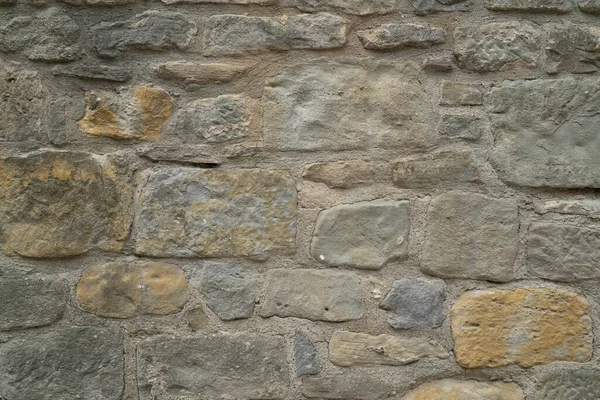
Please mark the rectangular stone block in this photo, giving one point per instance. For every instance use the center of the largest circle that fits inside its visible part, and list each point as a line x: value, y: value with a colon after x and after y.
x: 195, y: 72
x: 461, y: 94
x: 397, y: 36
x: 191, y: 212
x: 322, y: 106
x: 588, y: 207
x: 355, y: 7
x: 355, y: 386
x: 220, y: 365
x: 526, y: 327
x: 318, y: 295
x: 569, y: 384
x: 549, y: 6
x: 572, y: 48
x: 239, y: 34
x: 454, y: 389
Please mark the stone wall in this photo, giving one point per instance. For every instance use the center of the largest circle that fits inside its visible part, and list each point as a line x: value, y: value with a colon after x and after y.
x: 299, y: 199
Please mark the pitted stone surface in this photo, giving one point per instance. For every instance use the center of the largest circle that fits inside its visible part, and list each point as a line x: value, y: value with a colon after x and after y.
x: 453, y: 389
x: 589, y: 6
x: 424, y: 7
x: 190, y: 212
x: 580, y: 384
x: 572, y: 48
x: 393, y: 36
x: 383, y: 237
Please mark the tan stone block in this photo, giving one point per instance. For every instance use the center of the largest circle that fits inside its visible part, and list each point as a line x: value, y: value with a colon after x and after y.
x: 452, y: 389
x: 341, y: 174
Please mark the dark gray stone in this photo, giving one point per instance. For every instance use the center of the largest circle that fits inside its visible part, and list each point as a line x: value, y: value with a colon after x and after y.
x: 383, y: 236
x: 424, y: 7
x: 74, y: 363
x: 461, y: 126
x: 305, y: 355
x: 355, y: 386
x: 150, y: 30
x: 563, y: 252
x: 90, y: 71
x: 415, y: 303
x: 239, y: 34
x: 589, y: 6
x: 221, y: 365
x: 550, y: 6
x: 572, y: 48
x: 579, y: 384
x: 230, y: 291
x: 393, y: 36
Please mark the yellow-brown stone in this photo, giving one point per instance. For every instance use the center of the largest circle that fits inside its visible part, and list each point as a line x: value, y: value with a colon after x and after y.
x: 125, y: 290
x: 527, y: 327
x: 452, y: 389
x: 138, y: 113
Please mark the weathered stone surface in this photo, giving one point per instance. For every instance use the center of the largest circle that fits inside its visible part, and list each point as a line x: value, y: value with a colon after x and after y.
x: 356, y: 7
x: 437, y: 63
x: 348, y: 349
x: 430, y: 170
x: 563, y: 252
x: 84, y: 363
x: 341, y: 174
x: 239, y: 34
x: 136, y: 113
x: 589, y: 6
x: 59, y: 204
x: 7, y: 3
x: 333, y: 296
x: 588, y: 207
x: 498, y: 46
x: 527, y: 327
x: 351, y: 386
x: 461, y: 243
x: 461, y: 94
x: 31, y: 301
x: 383, y: 236
x: 415, y: 303
x: 323, y: 106
x: 452, y: 389
x: 545, y: 133
x: 229, y: 290
x: 197, y: 318
x: 393, y: 36
x: 260, y: 2
x: 221, y: 365
x: 150, y: 30
x: 49, y: 35
x: 215, y: 120
x: 551, y: 6
x: 204, y: 155
x: 572, y: 48
x: 305, y: 355
x: 189, y: 212
x: 104, y: 3
x: 193, y: 72
x: 424, y: 7
x: 84, y: 71
x: 461, y: 126
x: 577, y: 384
x: 126, y: 290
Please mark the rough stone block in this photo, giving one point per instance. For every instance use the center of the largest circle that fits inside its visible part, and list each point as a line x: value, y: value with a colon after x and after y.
x: 341, y: 174
x: 355, y: 7
x: 350, y: 386
x: 91, y: 71
x: 461, y: 94
x: 580, y: 384
x: 549, y: 6
x: 424, y: 7
x: 526, y: 327
x: 383, y: 236
x: 200, y: 73
x: 589, y: 6
x: 588, y: 207
x: 452, y: 389
x: 305, y: 355
x: 461, y: 126
x: 572, y: 48
x: 259, y: 2
x: 394, y: 36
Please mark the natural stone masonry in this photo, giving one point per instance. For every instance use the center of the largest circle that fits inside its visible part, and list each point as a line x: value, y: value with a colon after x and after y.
x: 305, y: 355
x: 238, y: 34
x: 545, y: 132
x: 348, y: 349
x: 461, y: 94
x: 337, y: 106
x: 589, y: 6
x: 526, y: 327
x: 572, y: 48
x: 261, y: 2
x: 188, y: 212
x: 352, y: 386
x: 65, y: 364
x: 424, y: 7
x: 577, y: 384
x: 462, y: 244
x: 126, y: 290
x: 356, y: 7
x: 551, y: 6
x: 383, y: 236
x: 452, y: 389
x: 137, y: 113
x: 333, y: 296
x: 562, y: 252
x: 590, y: 208
x: 341, y: 174
x: 392, y: 36
x: 498, y: 46
x: 59, y: 204
x: 193, y: 72
x: 220, y: 365
x: 415, y: 303
x: 85, y: 71
x: 461, y: 126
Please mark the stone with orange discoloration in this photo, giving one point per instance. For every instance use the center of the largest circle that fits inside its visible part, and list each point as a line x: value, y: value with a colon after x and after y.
x: 122, y: 290
x: 138, y: 113
x: 452, y: 389
x: 527, y: 327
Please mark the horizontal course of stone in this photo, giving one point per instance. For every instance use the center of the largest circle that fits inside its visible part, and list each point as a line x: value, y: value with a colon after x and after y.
x: 299, y: 199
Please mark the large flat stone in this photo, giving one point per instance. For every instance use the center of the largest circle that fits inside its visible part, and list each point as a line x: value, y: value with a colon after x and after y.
x: 323, y: 106
x: 356, y: 386
x: 526, y: 327
x: 73, y: 363
x: 383, y: 237
x: 580, y: 384
x: 333, y: 296
x: 572, y: 48
x: 453, y: 389
x: 356, y: 7
x: 471, y: 236
x: 221, y: 365
x: 190, y: 212
x: 59, y: 204
x: 545, y: 133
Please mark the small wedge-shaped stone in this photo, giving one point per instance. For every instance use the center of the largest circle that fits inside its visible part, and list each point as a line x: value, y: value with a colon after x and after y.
x: 551, y: 6
x: 137, y: 113
x: 126, y: 290
x: 239, y: 34
x: 393, y: 36
x: 192, y: 72
x: 348, y: 349
x: 452, y: 389
x: 306, y: 360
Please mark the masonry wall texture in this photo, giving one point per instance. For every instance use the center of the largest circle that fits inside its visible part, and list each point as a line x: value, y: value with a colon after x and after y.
x: 299, y: 199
